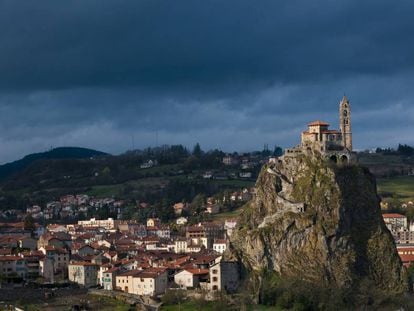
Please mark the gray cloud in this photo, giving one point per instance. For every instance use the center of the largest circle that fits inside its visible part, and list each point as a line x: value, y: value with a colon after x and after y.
x: 229, y: 74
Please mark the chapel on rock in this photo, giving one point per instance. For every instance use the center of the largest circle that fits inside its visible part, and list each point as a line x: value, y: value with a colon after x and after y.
x: 335, y: 145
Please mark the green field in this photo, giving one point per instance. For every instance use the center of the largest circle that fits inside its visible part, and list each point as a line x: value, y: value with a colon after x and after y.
x: 379, y: 159
x: 401, y: 187
x: 227, y: 215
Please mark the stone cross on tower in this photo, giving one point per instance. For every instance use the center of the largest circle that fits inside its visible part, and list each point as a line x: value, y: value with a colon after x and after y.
x: 345, y: 123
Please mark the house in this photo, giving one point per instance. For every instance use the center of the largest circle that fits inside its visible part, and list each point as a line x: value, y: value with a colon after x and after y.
x: 230, y: 160
x: 180, y: 207
x: 191, y: 278
x: 11, y: 241
x: 46, y: 269
x: 164, y: 232
x: 224, y: 275
x: 395, y: 222
x: 153, y: 222
x: 406, y: 254
x: 180, y: 245
x: 124, y: 280
x: 83, y: 250
x: 404, y: 237
x: 107, y: 224
x: 181, y: 221
x: 56, y: 228
x: 220, y: 245
x: 149, y: 164
x: 150, y: 282
x: 212, y: 208
x: 105, y: 243
x: 83, y: 273
x: 246, y: 195
x: 58, y: 239
x: 207, y: 230
x: 12, y: 266
x: 32, y: 263
x: 194, y: 248
x: 245, y: 174
x: 58, y: 256
x: 5, y: 251
x: 111, y: 255
x: 109, y: 278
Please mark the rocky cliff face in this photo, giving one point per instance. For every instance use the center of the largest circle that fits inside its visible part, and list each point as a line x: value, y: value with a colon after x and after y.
x: 320, y: 223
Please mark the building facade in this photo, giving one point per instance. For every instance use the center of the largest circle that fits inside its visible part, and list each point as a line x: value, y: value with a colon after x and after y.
x: 83, y: 273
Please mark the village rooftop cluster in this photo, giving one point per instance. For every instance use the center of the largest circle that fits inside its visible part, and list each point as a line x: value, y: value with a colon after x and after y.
x: 142, y: 259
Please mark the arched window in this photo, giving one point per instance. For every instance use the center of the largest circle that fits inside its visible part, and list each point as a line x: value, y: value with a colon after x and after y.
x: 345, y: 113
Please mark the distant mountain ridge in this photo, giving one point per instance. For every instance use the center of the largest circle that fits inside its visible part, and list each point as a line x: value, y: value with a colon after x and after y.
x: 11, y: 168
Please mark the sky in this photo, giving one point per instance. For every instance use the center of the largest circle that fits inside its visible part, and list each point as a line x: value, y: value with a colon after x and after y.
x: 234, y: 74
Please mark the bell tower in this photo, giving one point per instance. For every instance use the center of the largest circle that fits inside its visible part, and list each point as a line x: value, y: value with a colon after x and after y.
x: 345, y: 123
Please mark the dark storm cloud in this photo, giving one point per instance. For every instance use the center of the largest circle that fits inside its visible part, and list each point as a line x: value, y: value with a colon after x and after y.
x: 230, y: 74
x: 50, y: 44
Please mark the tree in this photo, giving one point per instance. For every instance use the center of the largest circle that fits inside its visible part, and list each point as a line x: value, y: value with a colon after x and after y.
x: 410, y: 274
x: 405, y: 150
x: 198, y: 203
x: 197, y: 152
x: 29, y: 223
x: 173, y: 297
x: 278, y: 151
x: 410, y: 213
x: 167, y: 211
x: 266, y: 152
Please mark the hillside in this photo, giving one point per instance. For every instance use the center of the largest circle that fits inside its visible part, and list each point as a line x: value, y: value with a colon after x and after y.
x: 9, y: 169
x: 177, y: 176
x: 39, y: 178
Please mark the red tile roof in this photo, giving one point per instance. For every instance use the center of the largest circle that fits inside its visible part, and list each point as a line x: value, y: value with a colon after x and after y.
x: 197, y: 271
x: 113, y: 269
x: 392, y: 215
x: 318, y: 122
x: 10, y: 258
x: 83, y: 263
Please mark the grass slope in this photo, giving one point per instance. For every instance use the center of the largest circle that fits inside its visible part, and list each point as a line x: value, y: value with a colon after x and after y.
x: 11, y: 168
x: 401, y: 187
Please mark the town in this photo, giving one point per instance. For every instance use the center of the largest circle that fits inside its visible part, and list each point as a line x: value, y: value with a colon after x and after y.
x: 119, y: 255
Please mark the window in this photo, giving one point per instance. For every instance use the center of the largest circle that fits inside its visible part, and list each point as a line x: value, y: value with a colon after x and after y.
x: 214, y: 279
x: 214, y: 271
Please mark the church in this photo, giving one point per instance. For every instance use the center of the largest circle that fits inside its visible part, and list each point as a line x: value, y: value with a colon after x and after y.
x: 333, y: 144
